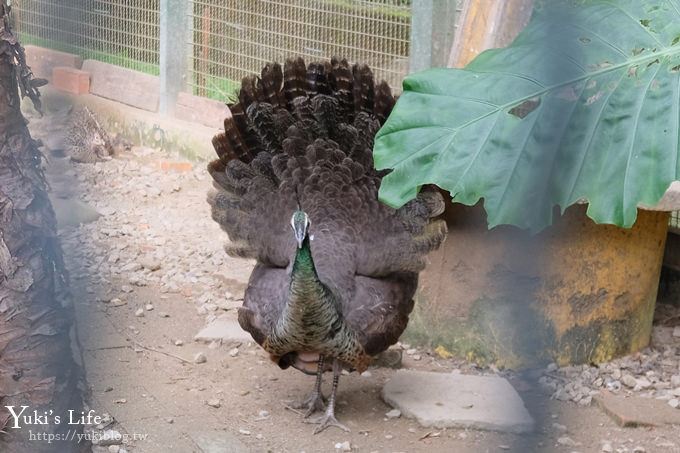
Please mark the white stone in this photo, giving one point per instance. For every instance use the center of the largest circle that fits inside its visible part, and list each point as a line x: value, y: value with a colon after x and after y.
x: 224, y: 328
x: 394, y: 413
x: 445, y: 400
x: 200, y: 358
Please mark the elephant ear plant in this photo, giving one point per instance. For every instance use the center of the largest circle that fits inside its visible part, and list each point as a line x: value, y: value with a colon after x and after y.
x: 583, y: 105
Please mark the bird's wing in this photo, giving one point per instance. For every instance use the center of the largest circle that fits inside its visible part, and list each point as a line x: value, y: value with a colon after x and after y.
x: 264, y: 299
x: 380, y: 309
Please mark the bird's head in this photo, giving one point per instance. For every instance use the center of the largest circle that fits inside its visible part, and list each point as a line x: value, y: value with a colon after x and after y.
x: 300, y: 223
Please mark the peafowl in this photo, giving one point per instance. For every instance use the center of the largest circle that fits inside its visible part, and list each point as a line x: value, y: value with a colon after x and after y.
x: 295, y: 189
x: 86, y: 139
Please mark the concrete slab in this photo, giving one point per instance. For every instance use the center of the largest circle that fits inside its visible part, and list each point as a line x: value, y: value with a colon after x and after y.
x: 190, y: 140
x: 43, y: 61
x: 224, y: 328
x: 219, y: 442
x: 208, y: 112
x: 123, y: 85
x: 635, y: 411
x: 444, y: 400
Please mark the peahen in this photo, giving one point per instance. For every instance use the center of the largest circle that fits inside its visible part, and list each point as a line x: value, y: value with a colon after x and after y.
x: 296, y: 190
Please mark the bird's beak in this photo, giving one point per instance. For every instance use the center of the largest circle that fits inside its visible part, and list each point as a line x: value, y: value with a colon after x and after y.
x: 300, y: 234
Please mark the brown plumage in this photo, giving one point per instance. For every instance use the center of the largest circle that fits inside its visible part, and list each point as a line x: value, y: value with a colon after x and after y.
x: 300, y: 142
x: 87, y: 140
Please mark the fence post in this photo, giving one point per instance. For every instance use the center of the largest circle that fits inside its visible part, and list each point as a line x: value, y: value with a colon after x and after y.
x: 173, y: 52
x: 432, y: 32
x: 421, y: 35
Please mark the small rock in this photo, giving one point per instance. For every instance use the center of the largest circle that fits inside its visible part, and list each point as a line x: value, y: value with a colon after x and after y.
x: 106, y: 211
x: 585, y: 401
x: 366, y: 374
x: 676, y: 332
x: 643, y: 383
x: 139, y: 313
x: 148, y: 307
x: 179, y: 343
x: 213, y: 403
x: 263, y: 415
x: 233, y: 352
x: 116, y: 302
x: 114, y: 448
x: 416, y: 356
x: 568, y: 441
x: 674, y: 403
x: 200, y: 358
x: 126, y: 288
x: 551, y: 368
x: 150, y: 264
x: 394, y: 413
x: 343, y: 446
x: 629, y: 381
x: 675, y: 380
x: 411, y: 351
x: 245, y: 432
x: 558, y: 427
x: 389, y: 436
x: 504, y: 447
x: 639, y: 449
x: 109, y: 437
x: 561, y: 395
x: 259, y: 436
x: 131, y: 267
x: 170, y: 420
x: 607, y: 447
x: 163, y: 314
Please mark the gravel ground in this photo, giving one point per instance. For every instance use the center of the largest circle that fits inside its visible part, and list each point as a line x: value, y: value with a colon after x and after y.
x: 148, y: 271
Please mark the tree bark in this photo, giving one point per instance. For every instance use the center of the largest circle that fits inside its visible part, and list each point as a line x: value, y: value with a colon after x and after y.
x: 37, y: 368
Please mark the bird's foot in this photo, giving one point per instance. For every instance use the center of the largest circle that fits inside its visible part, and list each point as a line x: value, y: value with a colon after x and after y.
x: 326, y: 420
x: 315, y: 402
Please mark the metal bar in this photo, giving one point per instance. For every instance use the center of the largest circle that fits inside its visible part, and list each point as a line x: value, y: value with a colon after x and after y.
x: 173, y: 28
x: 421, y: 35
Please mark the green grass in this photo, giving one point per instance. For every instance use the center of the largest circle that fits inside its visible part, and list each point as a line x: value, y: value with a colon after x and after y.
x: 386, y: 9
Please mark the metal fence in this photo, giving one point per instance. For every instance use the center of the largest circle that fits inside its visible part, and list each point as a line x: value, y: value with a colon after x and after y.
x: 235, y: 37
x: 121, y: 32
x: 227, y: 39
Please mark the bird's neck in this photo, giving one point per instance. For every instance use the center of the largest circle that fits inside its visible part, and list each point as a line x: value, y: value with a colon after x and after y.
x: 304, y: 279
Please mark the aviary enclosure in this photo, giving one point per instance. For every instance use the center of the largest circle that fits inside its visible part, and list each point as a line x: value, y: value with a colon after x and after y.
x: 193, y: 237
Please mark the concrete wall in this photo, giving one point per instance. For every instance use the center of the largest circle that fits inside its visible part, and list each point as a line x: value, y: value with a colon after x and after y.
x: 129, y: 101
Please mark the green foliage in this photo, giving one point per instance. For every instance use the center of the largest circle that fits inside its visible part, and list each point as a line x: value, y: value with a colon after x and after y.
x: 583, y: 105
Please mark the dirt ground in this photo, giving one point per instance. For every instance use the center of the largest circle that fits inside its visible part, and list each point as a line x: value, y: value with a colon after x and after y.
x: 150, y: 272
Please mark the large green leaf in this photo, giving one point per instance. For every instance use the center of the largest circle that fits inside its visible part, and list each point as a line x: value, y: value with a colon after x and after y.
x: 583, y: 105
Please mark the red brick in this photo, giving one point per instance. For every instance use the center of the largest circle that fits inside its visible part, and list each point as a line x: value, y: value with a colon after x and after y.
x: 169, y: 165
x: 71, y: 80
x: 42, y: 61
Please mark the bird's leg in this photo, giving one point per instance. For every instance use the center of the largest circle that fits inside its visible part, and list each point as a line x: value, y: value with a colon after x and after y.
x: 316, y: 400
x: 328, y: 419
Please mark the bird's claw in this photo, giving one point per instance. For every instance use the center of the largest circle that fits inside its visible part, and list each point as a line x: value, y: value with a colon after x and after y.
x: 325, y: 421
x: 312, y: 404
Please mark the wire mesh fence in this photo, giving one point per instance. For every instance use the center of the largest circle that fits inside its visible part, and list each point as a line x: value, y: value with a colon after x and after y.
x: 232, y: 38
x: 674, y: 222
x: 228, y: 39
x: 121, y: 32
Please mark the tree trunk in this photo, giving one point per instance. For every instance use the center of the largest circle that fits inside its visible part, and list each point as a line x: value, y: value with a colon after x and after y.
x: 37, y: 368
